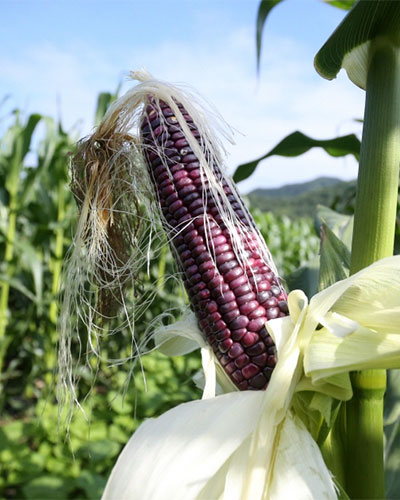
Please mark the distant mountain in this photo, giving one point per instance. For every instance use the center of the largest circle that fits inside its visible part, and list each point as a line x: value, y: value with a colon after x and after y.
x: 300, y: 200
x: 296, y: 189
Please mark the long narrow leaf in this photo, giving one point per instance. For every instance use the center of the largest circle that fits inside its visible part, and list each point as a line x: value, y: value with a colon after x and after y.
x: 264, y: 9
x: 297, y: 144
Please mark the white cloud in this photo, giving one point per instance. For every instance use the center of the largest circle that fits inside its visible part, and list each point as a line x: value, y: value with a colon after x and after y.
x: 288, y: 96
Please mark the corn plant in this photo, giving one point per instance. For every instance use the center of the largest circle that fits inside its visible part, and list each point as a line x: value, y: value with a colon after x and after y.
x: 300, y: 352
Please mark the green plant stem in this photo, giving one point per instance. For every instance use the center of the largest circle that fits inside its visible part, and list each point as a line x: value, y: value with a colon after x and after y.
x: 364, y: 432
x: 5, y: 285
x: 373, y: 239
x: 56, y: 265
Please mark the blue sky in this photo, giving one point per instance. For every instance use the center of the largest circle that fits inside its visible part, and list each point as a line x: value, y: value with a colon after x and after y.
x: 56, y: 56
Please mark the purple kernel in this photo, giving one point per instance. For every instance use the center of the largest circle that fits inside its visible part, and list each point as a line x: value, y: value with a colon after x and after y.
x: 233, y: 274
x: 217, y: 292
x: 196, y: 278
x: 195, y: 242
x: 216, y: 281
x: 219, y: 325
x: 190, y: 235
x: 180, y: 213
x: 206, y: 266
x: 180, y: 174
x: 226, y: 297
x: 238, y: 282
x: 243, y: 386
x: 250, y: 370
x: 175, y: 206
x: 224, y: 257
x: 227, y: 266
x: 222, y: 249
x: 167, y: 191
x: 260, y: 360
x: 239, y: 322
x: 271, y: 361
x: 191, y: 269
x: 244, y: 299
x: 258, y: 381
x: 171, y: 198
x: 229, y: 306
x: 219, y: 240
x: 230, y: 368
x: 201, y: 253
x: 176, y: 135
x: 225, y: 345
x: 210, y: 274
x: 249, y: 339
x: 202, y: 295
x: 186, y: 190
x: 235, y: 351
x: 195, y: 174
x: 275, y: 290
x: 263, y: 286
x: 213, y: 317
x: 271, y: 302
x: 248, y: 307
x: 198, y: 287
x: 183, y: 181
x: 185, y: 254
x: 256, y: 324
x: 238, y: 334
x: 268, y: 372
x: 242, y: 290
x: 283, y: 306
x: 257, y: 313
x: 224, y: 360
x: 223, y: 335
x: 196, y: 204
x: 191, y: 197
x: 256, y: 349
x: 231, y: 315
x: 189, y: 158
x: 192, y: 165
x: 211, y: 307
x: 237, y: 376
x: 263, y: 297
x: 180, y: 143
x: 242, y: 360
x: 272, y: 313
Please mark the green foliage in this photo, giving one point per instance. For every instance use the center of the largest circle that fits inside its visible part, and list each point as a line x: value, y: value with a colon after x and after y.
x: 297, y: 144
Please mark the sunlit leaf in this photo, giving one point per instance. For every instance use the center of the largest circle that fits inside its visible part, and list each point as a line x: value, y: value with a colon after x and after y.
x: 366, y: 21
x: 297, y: 144
x: 341, y: 4
x: 334, y: 260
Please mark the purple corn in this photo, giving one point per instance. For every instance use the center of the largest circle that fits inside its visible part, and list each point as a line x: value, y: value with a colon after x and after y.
x: 231, y: 297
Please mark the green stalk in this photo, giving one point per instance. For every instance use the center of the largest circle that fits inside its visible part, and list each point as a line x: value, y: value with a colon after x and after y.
x: 56, y: 264
x: 13, y: 185
x: 56, y: 268
x: 373, y: 239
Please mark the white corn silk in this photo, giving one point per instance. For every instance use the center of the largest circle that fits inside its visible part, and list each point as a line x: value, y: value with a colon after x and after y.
x: 251, y: 445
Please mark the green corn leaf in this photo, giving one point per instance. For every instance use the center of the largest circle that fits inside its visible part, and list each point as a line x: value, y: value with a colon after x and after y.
x: 341, y: 225
x: 341, y: 4
x: 103, y: 102
x: 305, y: 278
x: 335, y: 258
x: 297, y: 144
x: 349, y: 45
x: 264, y: 9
